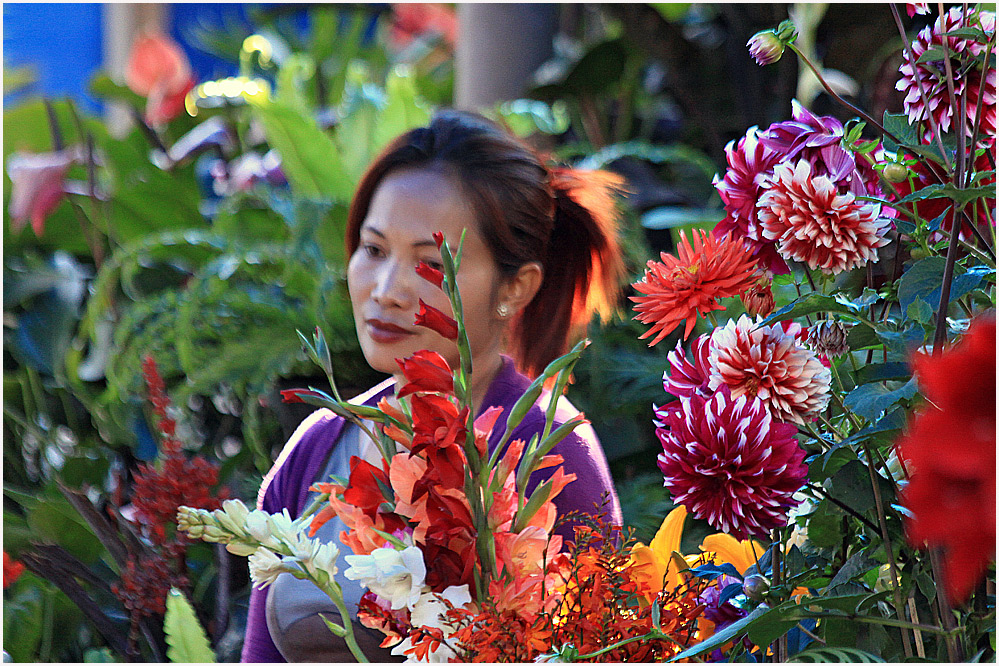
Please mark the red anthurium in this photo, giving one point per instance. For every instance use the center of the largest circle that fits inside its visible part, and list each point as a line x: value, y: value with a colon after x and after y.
x: 437, y: 321
x: 159, y: 71
x: 430, y: 274
x: 426, y: 371
x: 37, y: 187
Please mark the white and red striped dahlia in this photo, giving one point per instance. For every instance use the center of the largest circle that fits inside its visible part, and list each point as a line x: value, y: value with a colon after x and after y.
x: 771, y: 364
x: 812, y: 222
x: 969, y: 78
x: 687, y: 378
x: 729, y: 462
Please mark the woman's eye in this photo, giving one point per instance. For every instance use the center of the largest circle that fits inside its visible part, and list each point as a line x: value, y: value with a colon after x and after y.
x: 436, y: 265
x: 372, y: 251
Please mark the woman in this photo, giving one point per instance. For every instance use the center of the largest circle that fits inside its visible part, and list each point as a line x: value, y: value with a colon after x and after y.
x: 539, y: 259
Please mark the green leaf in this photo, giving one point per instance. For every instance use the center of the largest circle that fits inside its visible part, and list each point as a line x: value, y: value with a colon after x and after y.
x: 825, y: 525
x: 808, y: 304
x: 404, y: 109
x: 857, y: 565
x: 54, y: 520
x: 725, y: 635
x: 919, y: 310
x: 600, y: 68
x: 669, y: 217
x: 185, y: 636
x: 845, y: 655
x: 671, y: 11
x: 924, y: 279
x: 871, y: 400
x: 852, y: 486
x: 898, y: 124
x: 308, y: 155
x: 879, y: 372
x: 528, y: 116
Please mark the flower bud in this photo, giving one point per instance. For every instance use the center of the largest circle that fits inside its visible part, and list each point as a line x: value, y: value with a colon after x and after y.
x: 895, y: 172
x: 241, y: 548
x: 759, y: 299
x: 829, y: 337
x: 765, y: 47
x: 755, y: 587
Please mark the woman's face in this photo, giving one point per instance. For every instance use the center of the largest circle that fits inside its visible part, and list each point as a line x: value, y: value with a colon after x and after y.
x: 385, y: 291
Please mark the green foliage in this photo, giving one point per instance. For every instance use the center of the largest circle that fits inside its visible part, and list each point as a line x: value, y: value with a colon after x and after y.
x: 184, y: 633
x: 835, y: 656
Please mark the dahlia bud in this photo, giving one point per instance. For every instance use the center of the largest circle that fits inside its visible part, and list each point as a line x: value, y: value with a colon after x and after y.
x: 895, y: 172
x: 755, y: 587
x: 767, y: 46
x: 829, y: 337
x: 759, y: 299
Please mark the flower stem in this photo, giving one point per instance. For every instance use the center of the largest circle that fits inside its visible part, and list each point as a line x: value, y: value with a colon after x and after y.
x: 896, y: 591
x: 832, y: 93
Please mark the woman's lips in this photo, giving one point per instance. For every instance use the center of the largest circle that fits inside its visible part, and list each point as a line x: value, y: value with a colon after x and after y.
x: 383, y: 332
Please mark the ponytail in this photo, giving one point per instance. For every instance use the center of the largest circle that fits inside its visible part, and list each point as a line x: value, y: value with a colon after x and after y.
x: 582, y: 268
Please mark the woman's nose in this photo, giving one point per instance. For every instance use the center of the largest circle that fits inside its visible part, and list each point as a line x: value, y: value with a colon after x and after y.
x: 393, y: 288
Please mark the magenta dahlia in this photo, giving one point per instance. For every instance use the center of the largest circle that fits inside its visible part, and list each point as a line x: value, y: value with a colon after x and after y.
x: 771, y: 364
x: 969, y: 78
x: 731, y: 463
x: 748, y: 161
x: 812, y: 222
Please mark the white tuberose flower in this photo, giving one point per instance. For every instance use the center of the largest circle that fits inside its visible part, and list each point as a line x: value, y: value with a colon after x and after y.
x: 429, y: 611
x: 394, y: 575
x: 265, y: 567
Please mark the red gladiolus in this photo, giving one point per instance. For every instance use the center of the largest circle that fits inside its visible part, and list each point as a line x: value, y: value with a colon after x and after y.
x: 12, y: 570
x: 159, y: 71
x: 426, y: 371
x: 437, y: 321
x: 298, y: 395
x: 430, y: 274
x: 364, y: 490
x: 950, y: 453
x: 438, y: 238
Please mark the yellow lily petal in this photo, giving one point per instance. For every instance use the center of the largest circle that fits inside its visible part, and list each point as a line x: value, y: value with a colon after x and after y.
x: 727, y: 549
x: 667, y: 539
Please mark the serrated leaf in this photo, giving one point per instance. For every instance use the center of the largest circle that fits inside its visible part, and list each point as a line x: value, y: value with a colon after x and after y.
x: 857, y: 565
x: 919, y: 310
x: 186, y: 639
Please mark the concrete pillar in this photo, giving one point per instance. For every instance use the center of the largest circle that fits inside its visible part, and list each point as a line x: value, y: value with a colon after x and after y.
x: 499, y: 47
x: 122, y: 22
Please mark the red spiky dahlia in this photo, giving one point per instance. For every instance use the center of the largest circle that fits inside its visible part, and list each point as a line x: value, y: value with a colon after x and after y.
x: 812, y: 222
x: 771, y: 364
x: 968, y: 76
x: 740, y: 188
x: 690, y: 284
x: 729, y: 462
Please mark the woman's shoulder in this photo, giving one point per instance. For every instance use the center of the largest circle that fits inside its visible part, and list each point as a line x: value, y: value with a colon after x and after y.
x: 303, y: 455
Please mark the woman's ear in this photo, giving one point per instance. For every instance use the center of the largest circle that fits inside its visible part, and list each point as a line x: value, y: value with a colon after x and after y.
x: 519, y: 290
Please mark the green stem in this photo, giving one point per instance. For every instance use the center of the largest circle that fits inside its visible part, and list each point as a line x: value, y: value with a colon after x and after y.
x: 892, y: 567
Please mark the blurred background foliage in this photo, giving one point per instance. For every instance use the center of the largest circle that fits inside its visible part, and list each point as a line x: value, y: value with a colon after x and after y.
x: 206, y: 241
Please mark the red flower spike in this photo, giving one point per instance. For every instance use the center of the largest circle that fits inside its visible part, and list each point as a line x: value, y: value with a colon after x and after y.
x: 364, y: 490
x: 430, y: 274
x: 432, y: 318
x: 426, y: 371
x: 296, y: 395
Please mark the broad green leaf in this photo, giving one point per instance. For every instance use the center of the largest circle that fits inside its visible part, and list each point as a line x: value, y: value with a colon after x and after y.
x: 53, y: 520
x: 185, y: 636
x: 879, y: 372
x: 725, y: 635
x: 871, y: 400
x: 600, y: 68
x: 23, y: 622
x: 919, y: 310
x: 960, y: 196
x: 808, y: 304
x: 825, y: 526
x: 308, y: 155
x: 404, y: 109
x: 528, y: 116
x: 924, y: 279
x: 846, y: 655
x: 857, y: 565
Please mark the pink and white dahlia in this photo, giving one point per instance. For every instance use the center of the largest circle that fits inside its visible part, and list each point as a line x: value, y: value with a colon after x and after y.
x: 771, y: 364
x: 749, y: 161
x: 970, y: 78
x: 731, y: 463
x: 812, y: 222
x: 687, y: 378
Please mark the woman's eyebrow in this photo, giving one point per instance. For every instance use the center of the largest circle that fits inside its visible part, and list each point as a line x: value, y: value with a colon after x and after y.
x: 429, y: 242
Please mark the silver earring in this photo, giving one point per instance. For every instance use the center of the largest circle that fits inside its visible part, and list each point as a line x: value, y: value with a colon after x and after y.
x: 502, y: 310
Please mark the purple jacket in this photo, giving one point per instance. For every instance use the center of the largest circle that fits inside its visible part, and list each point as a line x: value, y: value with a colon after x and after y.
x: 286, y: 486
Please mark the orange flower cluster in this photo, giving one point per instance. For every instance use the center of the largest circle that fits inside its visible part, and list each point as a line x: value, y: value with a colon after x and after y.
x: 599, y: 600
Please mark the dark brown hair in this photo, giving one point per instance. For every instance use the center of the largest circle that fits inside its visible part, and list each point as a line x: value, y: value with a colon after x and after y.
x: 564, y: 219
